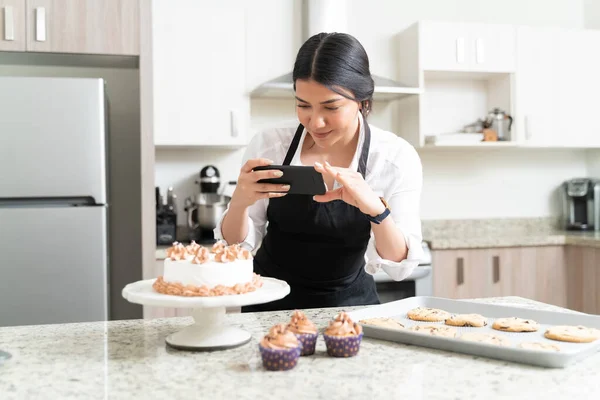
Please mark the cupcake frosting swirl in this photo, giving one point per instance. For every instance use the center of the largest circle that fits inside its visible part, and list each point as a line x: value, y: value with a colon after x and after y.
x: 279, y: 338
x: 342, y: 325
x: 300, y: 324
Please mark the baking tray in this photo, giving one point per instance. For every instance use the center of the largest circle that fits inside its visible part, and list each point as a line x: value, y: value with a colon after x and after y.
x: 568, y: 354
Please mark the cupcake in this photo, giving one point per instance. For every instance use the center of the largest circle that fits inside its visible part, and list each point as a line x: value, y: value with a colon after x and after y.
x: 343, y: 336
x: 305, y: 331
x: 279, y: 349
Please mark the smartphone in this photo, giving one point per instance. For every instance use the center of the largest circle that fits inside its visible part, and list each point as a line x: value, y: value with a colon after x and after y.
x: 302, y: 179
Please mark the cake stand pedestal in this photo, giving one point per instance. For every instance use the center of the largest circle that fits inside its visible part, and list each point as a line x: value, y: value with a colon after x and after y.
x: 209, y: 330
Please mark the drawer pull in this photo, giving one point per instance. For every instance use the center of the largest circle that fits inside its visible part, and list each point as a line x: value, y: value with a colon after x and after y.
x: 496, y: 264
x: 460, y: 271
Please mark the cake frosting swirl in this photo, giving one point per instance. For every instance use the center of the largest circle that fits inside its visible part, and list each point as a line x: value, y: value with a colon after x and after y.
x: 300, y: 324
x: 343, y: 325
x: 279, y: 338
x: 194, y: 270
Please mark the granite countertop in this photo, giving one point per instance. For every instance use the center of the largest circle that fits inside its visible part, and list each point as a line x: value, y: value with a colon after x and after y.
x: 505, y: 232
x: 129, y: 359
x: 510, y: 239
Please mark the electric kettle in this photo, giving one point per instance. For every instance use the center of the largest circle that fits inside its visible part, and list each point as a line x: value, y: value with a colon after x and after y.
x: 500, y: 122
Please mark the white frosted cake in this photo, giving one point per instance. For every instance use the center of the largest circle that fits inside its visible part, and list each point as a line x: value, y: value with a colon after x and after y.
x: 193, y: 270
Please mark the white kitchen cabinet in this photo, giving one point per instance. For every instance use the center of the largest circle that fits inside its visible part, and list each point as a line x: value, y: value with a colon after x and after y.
x: 577, y: 87
x: 84, y: 26
x: 556, y: 86
x: 198, y: 68
x: 12, y: 25
x: 467, y: 47
x: 536, y: 87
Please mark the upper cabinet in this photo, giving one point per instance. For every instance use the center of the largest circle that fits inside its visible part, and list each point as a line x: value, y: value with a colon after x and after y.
x: 556, y: 86
x: 198, y: 74
x: 83, y: 26
x: 12, y: 25
x: 70, y: 26
x: 455, y: 46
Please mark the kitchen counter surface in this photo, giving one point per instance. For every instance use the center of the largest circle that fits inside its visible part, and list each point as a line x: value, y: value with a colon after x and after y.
x: 129, y: 359
x: 512, y: 239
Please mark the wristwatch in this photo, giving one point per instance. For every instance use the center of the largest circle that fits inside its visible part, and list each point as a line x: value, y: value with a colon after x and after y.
x: 379, y: 218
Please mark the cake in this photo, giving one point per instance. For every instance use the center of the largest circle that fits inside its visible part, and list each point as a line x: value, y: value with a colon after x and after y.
x: 305, y: 330
x: 195, y: 270
x: 279, y: 349
x: 343, y: 336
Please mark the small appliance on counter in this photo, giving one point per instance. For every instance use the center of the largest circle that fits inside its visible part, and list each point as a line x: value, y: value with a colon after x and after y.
x: 166, y: 218
x: 204, y: 210
x: 581, y: 204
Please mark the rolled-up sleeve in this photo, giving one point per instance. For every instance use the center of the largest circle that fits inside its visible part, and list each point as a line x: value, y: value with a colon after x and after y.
x: 257, y: 213
x: 404, y: 200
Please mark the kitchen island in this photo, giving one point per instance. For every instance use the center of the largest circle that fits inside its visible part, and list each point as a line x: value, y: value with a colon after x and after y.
x: 129, y: 359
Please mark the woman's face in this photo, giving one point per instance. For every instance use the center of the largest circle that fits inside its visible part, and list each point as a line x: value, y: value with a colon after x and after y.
x: 327, y: 116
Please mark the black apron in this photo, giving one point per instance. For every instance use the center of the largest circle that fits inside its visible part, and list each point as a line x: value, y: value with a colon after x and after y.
x: 317, y: 248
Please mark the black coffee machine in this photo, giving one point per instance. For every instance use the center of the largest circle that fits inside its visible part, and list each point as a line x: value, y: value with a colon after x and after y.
x: 205, y: 209
x: 581, y: 204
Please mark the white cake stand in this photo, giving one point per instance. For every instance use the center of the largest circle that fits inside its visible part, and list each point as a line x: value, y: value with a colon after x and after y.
x: 209, y: 331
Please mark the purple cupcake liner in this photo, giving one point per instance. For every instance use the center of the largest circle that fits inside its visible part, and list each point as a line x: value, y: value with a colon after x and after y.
x: 279, y: 359
x: 344, y: 346
x: 308, y: 342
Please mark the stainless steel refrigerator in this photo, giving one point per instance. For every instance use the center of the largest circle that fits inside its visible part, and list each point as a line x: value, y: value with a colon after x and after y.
x: 54, y: 207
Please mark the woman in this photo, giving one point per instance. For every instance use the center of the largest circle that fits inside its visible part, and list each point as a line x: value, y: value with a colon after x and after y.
x: 326, y: 246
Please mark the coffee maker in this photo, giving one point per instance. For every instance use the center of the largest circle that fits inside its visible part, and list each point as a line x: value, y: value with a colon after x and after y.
x: 581, y: 204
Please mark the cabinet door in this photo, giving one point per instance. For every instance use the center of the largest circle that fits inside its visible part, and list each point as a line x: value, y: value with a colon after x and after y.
x: 459, y: 274
x: 543, y: 275
x: 576, y: 86
x: 12, y: 25
x: 583, y: 264
x: 469, y: 47
x: 199, y: 73
x: 535, y: 87
x: 443, y: 46
x: 493, y: 47
x: 83, y: 26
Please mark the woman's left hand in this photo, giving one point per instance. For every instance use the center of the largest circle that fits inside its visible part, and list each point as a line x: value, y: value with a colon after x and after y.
x: 354, y: 190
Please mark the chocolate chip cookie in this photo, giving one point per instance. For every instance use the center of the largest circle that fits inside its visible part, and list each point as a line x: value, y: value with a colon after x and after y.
x: 515, y: 324
x: 428, y: 314
x: 486, y: 338
x: 382, y: 322
x: 434, y: 330
x: 472, y: 320
x: 574, y: 334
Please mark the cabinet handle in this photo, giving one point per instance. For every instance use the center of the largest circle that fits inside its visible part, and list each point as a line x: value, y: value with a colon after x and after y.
x: 40, y: 24
x: 496, y: 269
x: 233, y: 124
x: 527, y: 128
x: 480, y: 52
x: 460, y: 271
x: 460, y: 50
x: 9, y: 24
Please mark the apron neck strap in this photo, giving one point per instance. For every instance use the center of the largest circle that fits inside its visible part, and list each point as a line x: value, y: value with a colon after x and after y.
x: 364, y: 153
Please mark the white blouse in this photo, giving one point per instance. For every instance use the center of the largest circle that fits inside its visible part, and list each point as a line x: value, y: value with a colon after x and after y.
x: 394, y: 172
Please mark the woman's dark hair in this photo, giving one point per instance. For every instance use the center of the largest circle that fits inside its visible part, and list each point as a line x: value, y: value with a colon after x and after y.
x: 337, y: 60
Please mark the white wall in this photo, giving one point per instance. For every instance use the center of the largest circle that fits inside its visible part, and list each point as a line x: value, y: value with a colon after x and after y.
x: 593, y: 163
x: 452, y: 189
x: 498, y: 183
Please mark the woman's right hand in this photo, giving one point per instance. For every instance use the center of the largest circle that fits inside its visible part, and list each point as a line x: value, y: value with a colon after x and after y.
x: 248, y: 190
